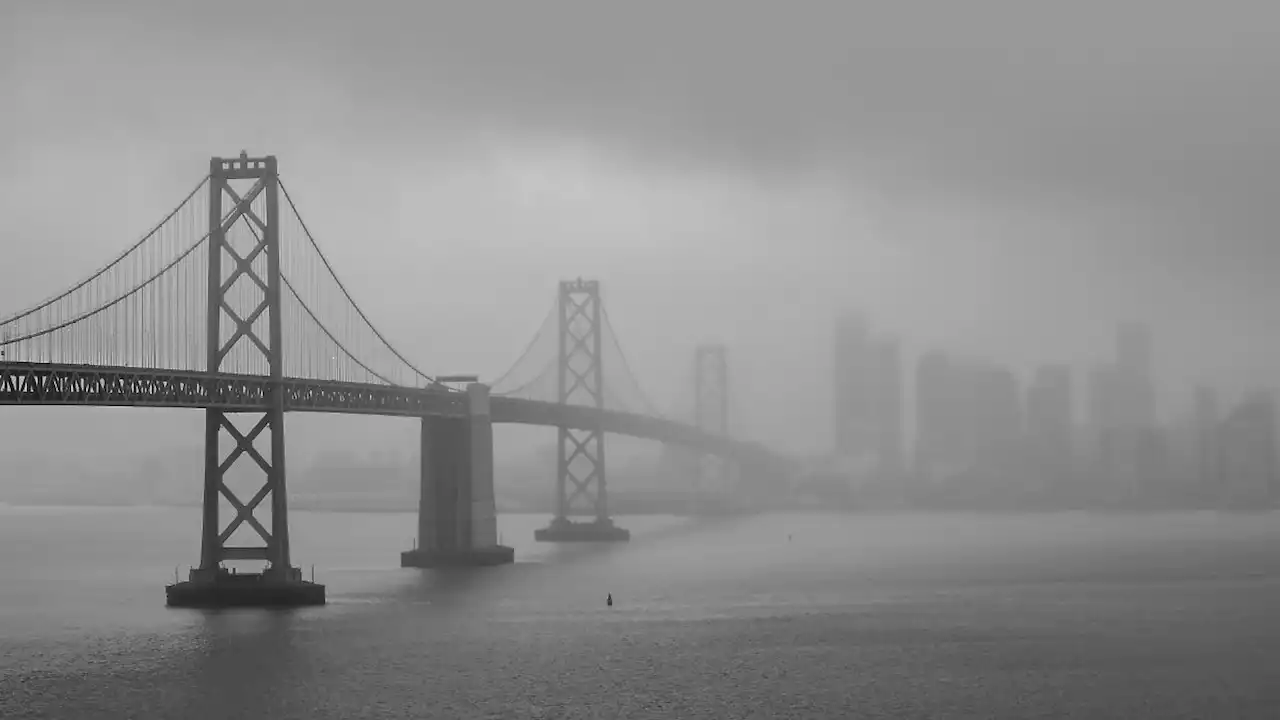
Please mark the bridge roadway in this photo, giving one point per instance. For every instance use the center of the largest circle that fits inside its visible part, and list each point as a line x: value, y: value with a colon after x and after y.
x: 26, y: 383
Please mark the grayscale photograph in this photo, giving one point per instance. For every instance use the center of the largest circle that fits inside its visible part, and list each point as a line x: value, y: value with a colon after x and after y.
x: 639, y: 359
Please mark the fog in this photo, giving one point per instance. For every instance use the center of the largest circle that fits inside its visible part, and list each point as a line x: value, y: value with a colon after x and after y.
x: 982, y: 176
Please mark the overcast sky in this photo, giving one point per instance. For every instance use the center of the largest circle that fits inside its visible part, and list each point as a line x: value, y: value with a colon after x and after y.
x: 1002, y: 178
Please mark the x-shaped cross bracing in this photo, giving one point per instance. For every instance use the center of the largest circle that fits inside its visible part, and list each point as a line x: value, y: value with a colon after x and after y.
x: 244, y: 446
x: 580, y: 344
x: 244, y: 267
x: 582, y: 486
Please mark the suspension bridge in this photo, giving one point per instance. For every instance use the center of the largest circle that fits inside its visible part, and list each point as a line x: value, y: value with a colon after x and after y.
x: 229, y: 305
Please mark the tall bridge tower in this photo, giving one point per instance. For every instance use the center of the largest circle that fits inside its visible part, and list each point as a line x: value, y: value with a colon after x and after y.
x: 581, y: 486
x: 711, y: 407
x: 712, y: 476
x: 244, y: 288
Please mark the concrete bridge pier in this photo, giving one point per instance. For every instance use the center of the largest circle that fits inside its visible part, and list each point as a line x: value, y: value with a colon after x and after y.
x: 457, y: 515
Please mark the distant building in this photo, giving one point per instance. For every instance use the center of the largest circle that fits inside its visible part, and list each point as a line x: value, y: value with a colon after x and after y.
x: 1100, y: 413
x: 1122, y: 419
x: 1133, y: 350
x: 936, y: 444
x: 993, y: 431
x: 1049, y: 433
x: 1002, y: 401
x: 868, y: 397
x: 1153, y: 467
x: 853, y: 424
x: 1099, y: 430
x: 1248, y: 454
x: 1135, y: 388
x: 969, y: 423
x: 1205, y: 419
x: 887, y: 406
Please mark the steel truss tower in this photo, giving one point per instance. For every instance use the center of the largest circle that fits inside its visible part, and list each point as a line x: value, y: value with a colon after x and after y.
x: 711, y: 408
x: 580, y: 475
x: 581, y: 488
x: 251, y: 272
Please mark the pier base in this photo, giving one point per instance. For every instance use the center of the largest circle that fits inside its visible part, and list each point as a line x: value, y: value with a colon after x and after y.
x: 476, y: 557
x: 563, y: 530
x: 220, y: 588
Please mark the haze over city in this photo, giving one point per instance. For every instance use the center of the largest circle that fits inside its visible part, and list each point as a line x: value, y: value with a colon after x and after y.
x: 737, y: 172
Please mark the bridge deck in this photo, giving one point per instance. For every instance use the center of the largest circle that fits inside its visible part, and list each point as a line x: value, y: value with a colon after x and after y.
x: 92, y: 385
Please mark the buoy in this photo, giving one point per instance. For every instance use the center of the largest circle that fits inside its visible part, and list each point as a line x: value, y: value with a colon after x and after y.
x: 609, y: 600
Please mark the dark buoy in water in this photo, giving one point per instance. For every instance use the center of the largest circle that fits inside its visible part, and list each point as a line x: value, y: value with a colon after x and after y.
x: 609, y: 600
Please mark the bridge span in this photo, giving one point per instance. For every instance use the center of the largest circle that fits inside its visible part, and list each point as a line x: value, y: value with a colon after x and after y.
x: 228, y: 306
x: 25, y: 383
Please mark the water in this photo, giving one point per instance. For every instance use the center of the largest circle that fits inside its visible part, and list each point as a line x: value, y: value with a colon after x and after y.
x: 912, y: 617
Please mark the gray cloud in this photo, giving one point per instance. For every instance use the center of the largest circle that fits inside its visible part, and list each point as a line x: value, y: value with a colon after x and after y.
x: 1159, y: 100
x: 1158, y: 111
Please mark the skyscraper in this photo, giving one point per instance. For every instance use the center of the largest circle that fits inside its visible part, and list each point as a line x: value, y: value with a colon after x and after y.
x: 1135, y: 389
x: 992, y: 430
x: 1100, y: 412
x: 853, y: 427
x: 1205, y: 422
x: 887, y: 410
x: 1247, y: 446
x: 1049, y: 429
x: 934, y: 444
x: 868, y: 387
x: 1103, y: 433
x: 1133, y: 349
x: 1123, y: 418
x: 1003, y: 400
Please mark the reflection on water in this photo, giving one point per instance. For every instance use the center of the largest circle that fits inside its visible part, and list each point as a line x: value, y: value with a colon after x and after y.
x: 784, y: 616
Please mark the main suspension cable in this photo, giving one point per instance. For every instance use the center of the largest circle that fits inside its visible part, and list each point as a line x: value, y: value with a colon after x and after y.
x: 343, y: 288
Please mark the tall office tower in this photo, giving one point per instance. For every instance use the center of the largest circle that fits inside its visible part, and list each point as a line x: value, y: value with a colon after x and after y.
x: 1247, y: 446
x: 1135, y: 391
x: 1135, y: 416
x: 1153, y: 466
x: 1205, y: 422
x: 1133, y: 349
x: 994, y: 425
x: 868, y: 397
x: 887, y: 406
x: 1104, y: 433
x: 853, y: 422
x: 1006, y: 407
x: 1100, y: 412
x: 932, y: 441
x: 1049, y: 429
x: 964, y: 413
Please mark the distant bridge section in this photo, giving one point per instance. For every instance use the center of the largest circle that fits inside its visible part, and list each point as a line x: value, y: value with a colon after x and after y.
x: 23, y: 383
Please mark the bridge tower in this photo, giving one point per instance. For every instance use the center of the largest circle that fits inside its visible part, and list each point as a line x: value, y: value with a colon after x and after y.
x: 250, y: 271
x: 711, y: 402
x: 712, y: 474
x: 581, y: 487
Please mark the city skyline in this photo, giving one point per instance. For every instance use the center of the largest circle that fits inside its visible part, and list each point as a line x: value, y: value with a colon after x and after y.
x: 1058, y: 435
